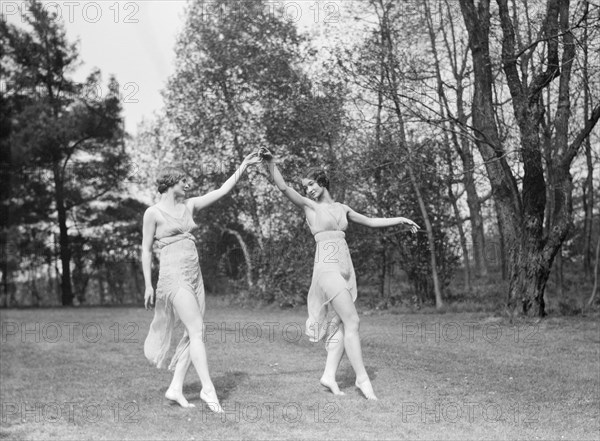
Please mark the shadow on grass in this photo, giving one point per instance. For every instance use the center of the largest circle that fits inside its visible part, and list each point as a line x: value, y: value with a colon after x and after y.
x: 229, y: 382
x: 346, y: 376
x: 224, y: 384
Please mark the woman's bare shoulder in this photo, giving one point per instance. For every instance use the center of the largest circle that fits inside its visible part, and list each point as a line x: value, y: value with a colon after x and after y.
x: 151, y: 212
x: 345, y: 207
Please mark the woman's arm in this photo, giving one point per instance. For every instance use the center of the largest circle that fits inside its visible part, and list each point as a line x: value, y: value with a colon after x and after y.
x: 288, y: 191
x: 380, y: 222
x: 148, y: 231
x: 200, y: 202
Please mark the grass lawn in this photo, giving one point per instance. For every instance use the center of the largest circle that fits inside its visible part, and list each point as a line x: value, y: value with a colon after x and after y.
x: 81, y: 374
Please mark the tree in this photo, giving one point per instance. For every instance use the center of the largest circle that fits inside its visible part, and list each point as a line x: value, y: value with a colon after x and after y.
x: 534, y: 68
x: 64, y: 139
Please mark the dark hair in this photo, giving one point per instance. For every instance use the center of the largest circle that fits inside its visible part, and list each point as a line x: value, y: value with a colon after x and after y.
x: 168, y: 178
x: 319, y: 176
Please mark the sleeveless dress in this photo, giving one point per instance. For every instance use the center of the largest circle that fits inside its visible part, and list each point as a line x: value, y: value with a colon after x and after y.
x: 179, y: 270
x: 333, y: 272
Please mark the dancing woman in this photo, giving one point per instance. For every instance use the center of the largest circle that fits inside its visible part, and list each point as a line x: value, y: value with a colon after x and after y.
x: 331, y: 310
x: 180, y: 290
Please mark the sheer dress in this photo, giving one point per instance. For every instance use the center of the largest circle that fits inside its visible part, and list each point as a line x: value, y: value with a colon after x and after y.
x: 333, y: 272
x: 179, y: 270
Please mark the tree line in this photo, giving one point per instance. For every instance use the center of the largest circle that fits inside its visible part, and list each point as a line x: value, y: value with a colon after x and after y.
x: 475, y: 119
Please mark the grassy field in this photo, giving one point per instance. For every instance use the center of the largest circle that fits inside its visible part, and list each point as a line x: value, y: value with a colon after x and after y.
x: 81, y: 374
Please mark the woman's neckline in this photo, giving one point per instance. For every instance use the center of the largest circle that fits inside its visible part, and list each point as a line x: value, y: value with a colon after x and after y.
x: 169, y: 214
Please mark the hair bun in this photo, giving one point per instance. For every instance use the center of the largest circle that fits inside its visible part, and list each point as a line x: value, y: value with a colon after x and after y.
x: 168, y: 177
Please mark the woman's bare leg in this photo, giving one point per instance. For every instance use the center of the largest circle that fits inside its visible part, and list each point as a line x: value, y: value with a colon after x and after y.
x: 344, y: 306
x: 187, y: 309
x: 175, y: 390
x: 335, y: 351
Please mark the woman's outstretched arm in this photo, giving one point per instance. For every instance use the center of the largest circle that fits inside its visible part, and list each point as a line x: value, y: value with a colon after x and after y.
x: 288, y: 191
x: 381, y: 222
x: 200, y: 202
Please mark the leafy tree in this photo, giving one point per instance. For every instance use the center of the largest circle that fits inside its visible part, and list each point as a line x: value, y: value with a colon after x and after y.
x: 239, y: 85
x: 65, y: 144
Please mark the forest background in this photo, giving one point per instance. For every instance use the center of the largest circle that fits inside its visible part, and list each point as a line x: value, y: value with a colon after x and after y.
x: 475, y: 119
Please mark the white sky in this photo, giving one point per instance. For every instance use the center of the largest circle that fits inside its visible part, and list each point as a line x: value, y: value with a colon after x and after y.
x: 135, y: 40
x: 132, y: 40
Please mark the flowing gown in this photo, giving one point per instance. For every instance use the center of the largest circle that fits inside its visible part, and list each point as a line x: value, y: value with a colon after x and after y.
x: 333, y: 272
x: 179, y: 270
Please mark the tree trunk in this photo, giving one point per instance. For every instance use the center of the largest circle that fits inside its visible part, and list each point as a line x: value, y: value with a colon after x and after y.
x: 50, y: 289
x: 100, y: 277
x: 437, y: 288
x: 247, y: 255
x: 136, y: 280
x: 378, y: 143
x: 461, y: 232
x: 383, y: 273
x: 588, y: 194
x: 63, y: 241
x: 560, y: 285
x: 5, y: 276
x: 55, y: 259
x: 477, y: 235
x: 462, y: 239
x: 528, y: 277
x: 596, y: 265
x: 501, y: 246
x: 588, y: 210
x: 35, y: 296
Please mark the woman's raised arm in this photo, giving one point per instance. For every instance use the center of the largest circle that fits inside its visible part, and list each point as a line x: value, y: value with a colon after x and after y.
x: 200, y: 202
x: 288, y: 191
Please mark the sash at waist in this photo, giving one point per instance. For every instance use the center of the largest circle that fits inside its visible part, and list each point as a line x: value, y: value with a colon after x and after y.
x: 329, y: 235
x: 170, y: 240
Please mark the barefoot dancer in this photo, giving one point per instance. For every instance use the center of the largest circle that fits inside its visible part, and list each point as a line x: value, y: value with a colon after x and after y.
x: 180, y: 291
x: 333, y: 287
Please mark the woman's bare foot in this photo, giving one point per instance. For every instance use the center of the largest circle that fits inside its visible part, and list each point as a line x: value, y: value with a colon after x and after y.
x: 331, y: 385
x: 178, y: 398
x: 366, y: 388
x: 210, y: 398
